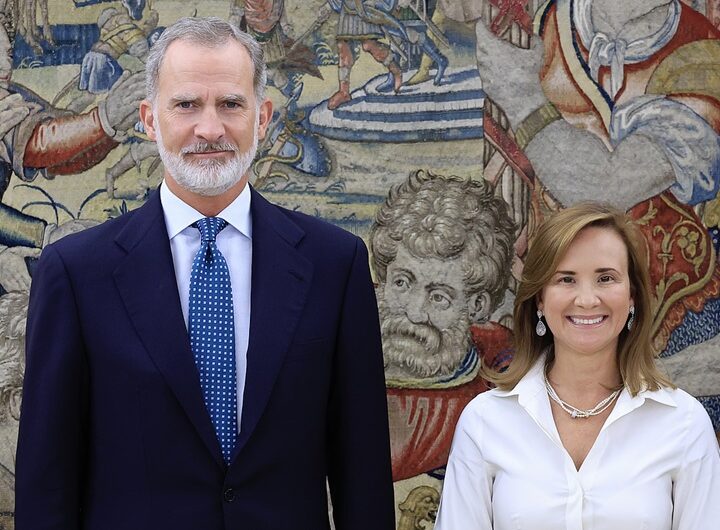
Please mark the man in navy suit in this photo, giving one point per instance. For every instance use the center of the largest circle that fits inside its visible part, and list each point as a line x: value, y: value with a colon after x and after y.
x: 116, y: 432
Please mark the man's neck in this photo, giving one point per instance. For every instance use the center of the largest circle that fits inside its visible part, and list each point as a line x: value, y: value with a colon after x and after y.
x: 208, y: 206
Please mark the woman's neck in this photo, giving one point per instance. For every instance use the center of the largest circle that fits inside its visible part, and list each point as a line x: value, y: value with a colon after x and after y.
x: 579, y: 377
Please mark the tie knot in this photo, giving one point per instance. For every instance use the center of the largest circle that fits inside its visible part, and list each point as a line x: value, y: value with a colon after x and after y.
x: 209, y: 228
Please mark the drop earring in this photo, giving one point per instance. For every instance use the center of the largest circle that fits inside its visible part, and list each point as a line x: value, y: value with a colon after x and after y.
x: 540, y: 328
x: 632, y: 317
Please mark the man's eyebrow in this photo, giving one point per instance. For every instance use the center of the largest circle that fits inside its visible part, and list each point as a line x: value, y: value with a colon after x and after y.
x: 405, y: 271
x: 440, y: 285
x: 184, y: 98
x: 236, y: 98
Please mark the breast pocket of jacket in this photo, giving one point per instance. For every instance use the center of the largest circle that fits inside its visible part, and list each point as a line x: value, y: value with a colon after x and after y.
x: 303, y: 382
x: 312, y: 351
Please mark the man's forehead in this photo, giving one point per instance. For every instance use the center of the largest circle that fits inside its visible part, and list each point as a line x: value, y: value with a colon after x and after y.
x: 208, y: 73
x: 188, y: 56
x: 429, y: 269
x: 405, y: 254
x: 184, y: 44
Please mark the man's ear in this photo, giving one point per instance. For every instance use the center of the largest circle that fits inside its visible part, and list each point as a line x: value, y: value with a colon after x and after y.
x: 265, y: 112
x: 479, y: 307
x: 147, y: 119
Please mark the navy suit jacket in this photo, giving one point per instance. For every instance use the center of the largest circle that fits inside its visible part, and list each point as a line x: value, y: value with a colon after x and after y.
x: 114, y: 433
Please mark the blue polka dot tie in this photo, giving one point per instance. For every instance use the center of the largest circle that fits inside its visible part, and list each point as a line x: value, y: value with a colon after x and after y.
x: 212, y: 333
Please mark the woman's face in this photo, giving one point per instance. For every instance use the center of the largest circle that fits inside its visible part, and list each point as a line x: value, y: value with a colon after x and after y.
x: 587, y: 301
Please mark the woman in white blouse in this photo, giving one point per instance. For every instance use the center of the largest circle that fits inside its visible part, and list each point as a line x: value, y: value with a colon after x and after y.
x: 583, y: 432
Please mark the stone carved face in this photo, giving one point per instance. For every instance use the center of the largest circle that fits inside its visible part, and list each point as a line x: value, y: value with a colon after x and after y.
x: 424, y: 315
x: 420, y: 507
x: 442, y: 249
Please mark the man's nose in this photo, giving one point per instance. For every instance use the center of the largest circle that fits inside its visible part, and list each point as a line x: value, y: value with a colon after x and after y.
x: 416, y: 309
x: 210, y: 126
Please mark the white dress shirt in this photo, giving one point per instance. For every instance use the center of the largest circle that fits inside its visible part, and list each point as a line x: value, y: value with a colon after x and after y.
x: 654, y: 466
x: 235, y: 244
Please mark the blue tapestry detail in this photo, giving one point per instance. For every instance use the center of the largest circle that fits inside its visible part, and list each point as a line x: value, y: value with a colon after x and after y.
x: 72, y: 42
x: 712, y: 405
x: 695, y: 328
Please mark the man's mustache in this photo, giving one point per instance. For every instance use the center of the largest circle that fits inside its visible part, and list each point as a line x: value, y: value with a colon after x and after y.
x: 429, y: 336
x: 209, y: 147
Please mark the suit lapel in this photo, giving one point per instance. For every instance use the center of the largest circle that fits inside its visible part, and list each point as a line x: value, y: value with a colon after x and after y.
x: 147, y: 285
x: 281, y: 278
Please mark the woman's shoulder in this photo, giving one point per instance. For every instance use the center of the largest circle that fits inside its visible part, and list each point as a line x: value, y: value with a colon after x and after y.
x: 683, y: 401
x: 683, y: 406
x: 489, y: 405
x: 690, y: 405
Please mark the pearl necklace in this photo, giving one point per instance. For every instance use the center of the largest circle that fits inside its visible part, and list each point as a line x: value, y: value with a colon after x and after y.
x: 576, y: 412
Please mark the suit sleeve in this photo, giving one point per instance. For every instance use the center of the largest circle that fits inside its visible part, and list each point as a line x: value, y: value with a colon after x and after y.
x: 359, y: 469
x: 51, y: 442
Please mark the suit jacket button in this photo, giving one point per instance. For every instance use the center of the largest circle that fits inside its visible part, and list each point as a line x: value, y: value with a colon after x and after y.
x: 229, y: 495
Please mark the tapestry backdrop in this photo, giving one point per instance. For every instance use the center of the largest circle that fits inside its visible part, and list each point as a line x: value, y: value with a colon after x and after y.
x: 440, y: 131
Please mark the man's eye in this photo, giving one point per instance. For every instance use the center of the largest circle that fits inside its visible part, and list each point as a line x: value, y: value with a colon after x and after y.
x: 440, y: 299
x: 185, y: 104
x: 232, y: 105
x: 401, y: 282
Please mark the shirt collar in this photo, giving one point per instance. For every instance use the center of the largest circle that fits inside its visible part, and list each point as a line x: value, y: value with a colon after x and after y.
x: 532, y: 396
x: 662, y: 395
x: 533, y: 384
x: 179, y: 215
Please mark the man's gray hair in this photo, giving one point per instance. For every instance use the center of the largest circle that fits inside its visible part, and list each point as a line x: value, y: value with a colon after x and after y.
x: 446, y: 218
x: 208, y: 32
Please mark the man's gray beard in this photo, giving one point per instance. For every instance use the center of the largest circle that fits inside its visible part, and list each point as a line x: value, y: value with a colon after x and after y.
x: 208, y: 178
x: 422, y: 349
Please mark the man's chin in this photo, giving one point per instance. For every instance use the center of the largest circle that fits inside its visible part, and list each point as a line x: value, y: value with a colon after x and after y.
x: 404, y: 345
x: 209, y: 160
x: 209, y: 179
x: 406, y: 357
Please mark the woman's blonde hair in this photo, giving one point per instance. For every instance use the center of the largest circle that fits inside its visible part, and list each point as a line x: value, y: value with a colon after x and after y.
x: 636, y: 357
